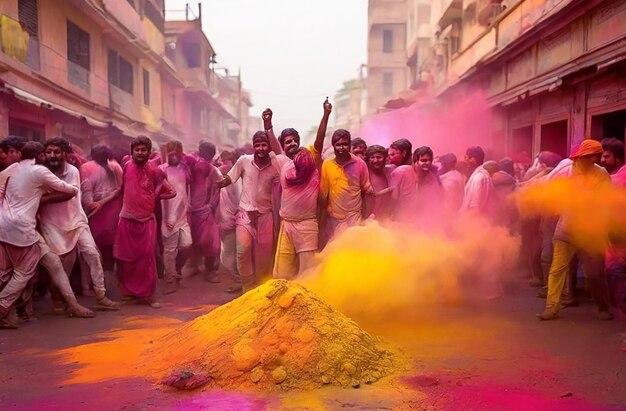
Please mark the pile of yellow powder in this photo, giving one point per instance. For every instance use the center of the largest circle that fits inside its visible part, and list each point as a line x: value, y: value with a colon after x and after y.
x: 277, y: 335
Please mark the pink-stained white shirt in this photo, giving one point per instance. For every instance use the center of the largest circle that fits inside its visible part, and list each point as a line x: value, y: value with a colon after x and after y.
x: 619, y: 178
x: 97, y: 184
x: 175, y: 210
x: 297, y: 203
x: 453, y: 183
x: 478, y: 191
x: 204, y: 193
x: 62, y: 223
x: 24, y: 185
x: 415, y: 198
x: 229, y: 205
x: 257, y: 186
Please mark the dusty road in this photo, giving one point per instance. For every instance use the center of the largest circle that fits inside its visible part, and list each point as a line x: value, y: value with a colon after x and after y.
x: 493, y: 356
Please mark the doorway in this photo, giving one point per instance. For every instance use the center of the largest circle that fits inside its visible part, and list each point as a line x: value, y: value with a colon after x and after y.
x: 554, y: 137
x: 521, y: 141
x: 609, y: 125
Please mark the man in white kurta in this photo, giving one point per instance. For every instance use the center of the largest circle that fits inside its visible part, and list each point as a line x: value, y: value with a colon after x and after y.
x: 175, y: 227
x: 64, y: 225
x: 20, y: 198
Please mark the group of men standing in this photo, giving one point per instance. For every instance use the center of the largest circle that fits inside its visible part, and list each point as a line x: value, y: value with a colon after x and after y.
x: 260, y: 214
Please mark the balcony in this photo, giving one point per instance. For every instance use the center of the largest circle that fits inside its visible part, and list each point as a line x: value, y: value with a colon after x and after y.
x: 488, y: 10
x: 451, y: 10
x: 78, y: 76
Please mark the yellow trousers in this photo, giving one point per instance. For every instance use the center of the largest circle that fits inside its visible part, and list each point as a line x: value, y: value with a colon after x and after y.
x: 593, y: 267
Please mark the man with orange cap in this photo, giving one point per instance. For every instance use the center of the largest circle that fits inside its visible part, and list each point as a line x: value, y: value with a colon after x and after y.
x: 589, y: 176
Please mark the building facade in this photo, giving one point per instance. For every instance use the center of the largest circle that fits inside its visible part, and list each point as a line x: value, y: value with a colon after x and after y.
x: 553, y: 71
x: 386, y: 52
x: 102, y: 71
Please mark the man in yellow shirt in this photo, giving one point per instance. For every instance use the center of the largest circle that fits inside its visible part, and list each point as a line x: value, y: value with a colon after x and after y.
x: 344, y: 180
x: 588, y: 177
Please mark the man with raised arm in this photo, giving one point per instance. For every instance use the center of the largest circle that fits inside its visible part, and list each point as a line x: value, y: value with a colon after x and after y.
x: 300, y: 180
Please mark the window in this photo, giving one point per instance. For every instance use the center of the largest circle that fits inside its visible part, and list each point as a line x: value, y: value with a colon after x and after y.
x: 27, y: 12
x: 146, y: 87
x: 77, y: 45
x: 28, y: 16
x: 192, y: 53
x: 78, y: 56
x: 120, y: 72
x: 387, y: 84
x: 387, y: 41
x: 32, y: 131
x: 154, y: 15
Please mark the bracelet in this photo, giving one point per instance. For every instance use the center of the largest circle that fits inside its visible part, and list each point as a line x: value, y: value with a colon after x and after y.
x: 268, y: 129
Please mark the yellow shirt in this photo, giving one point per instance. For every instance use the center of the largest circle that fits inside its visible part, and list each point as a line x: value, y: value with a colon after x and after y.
x: 343, y: 186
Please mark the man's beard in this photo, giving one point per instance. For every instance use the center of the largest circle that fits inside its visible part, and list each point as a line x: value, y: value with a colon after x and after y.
x: 54, y: 165
x: 292, y: 151
x: 140, y: 161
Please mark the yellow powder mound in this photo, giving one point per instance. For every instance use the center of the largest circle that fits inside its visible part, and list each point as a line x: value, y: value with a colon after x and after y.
x: 277, y: 335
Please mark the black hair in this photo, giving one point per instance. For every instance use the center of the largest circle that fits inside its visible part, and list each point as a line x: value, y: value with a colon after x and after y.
x: 358, y: 141
x: 31, y: 150
x: 16, y: 142
x: 614, y: 146
x: 60, y: 142
x: 448, y: 161
x: 403, y: 145
x: 206, y: 150
x: 477, y: 153
x: 507, y: 165
x: 101, y: 154
x: 373, y: 149
x: 286, y: 133
x: 339, y: 134
x: 141, y: 141
x: 422, y: 151
x: 260, y: 135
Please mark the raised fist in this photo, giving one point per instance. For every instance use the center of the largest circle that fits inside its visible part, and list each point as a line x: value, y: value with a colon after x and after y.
x: 327, y: 106
x: 267, y: 118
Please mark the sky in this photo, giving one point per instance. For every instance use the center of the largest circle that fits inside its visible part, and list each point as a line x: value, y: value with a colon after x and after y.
x: 292, y: 53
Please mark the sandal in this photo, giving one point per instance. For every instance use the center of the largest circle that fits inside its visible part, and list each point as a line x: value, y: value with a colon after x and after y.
x: 78, y: 311
x: 105, y: 304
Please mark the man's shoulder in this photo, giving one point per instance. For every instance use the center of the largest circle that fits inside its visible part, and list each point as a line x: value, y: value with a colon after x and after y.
x: 400, y: 170
x: 71, y: 173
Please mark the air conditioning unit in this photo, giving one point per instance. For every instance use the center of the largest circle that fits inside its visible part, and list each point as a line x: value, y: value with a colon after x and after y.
x: 488, y: 10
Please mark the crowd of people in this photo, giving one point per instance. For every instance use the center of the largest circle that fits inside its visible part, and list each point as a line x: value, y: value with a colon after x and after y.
x: 265, y: 212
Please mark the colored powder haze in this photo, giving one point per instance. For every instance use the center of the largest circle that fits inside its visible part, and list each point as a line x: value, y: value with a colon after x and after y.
x: 450, y: 128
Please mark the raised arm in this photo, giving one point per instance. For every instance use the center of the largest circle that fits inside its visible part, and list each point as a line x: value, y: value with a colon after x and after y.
x: 321, y: 130
x: 269, y: 129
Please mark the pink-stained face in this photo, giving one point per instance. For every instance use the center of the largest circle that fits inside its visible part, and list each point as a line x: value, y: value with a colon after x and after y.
x: 424, y: 163
x: 394, y: 156
x: 377, y: 161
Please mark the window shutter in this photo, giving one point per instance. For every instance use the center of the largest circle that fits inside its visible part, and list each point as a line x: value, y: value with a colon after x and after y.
x: 27, y: 12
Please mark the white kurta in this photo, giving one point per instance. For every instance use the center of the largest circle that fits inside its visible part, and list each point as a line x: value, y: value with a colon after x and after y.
x: 61, y: 224
x: 20, y: 197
